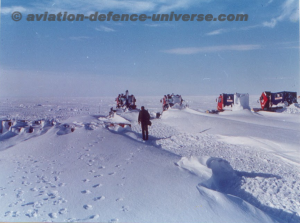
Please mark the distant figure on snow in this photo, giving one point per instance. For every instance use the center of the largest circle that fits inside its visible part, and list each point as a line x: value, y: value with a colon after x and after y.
x: 144, y: 119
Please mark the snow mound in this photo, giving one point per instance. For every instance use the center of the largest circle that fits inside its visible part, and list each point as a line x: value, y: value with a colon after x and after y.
x: 227, y: 184
x: 292, y: 109
x: 229, y: 202
x: 196, y: 165
x: 14, y: 131
x: 115, y: 119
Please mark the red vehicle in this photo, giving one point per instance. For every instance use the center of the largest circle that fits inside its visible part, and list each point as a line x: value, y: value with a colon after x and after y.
x: 268, y: 99
x: 224, y: 100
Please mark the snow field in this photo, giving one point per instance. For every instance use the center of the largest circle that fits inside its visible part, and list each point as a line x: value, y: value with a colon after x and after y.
x: 238, y: 167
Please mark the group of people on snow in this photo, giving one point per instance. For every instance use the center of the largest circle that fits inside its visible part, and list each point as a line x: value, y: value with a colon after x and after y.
x: 126, y: 99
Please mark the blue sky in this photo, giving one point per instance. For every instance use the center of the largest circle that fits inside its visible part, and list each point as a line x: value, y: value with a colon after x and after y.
x: 49, y: 59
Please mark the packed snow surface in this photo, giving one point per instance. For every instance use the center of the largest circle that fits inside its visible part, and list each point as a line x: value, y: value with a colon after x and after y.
x: 65, y: 160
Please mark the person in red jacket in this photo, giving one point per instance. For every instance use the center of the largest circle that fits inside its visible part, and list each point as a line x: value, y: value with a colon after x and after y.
x: 144, y: 119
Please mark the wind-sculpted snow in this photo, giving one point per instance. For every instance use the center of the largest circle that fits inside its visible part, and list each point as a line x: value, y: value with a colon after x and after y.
x: 66, y: 161
x: 226, y: 180
x: 281, y: 192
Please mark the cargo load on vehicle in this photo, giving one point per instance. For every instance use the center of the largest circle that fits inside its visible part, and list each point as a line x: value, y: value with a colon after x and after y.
x: 172, y: 101
x: 235, y: 101
x: 271, y: 101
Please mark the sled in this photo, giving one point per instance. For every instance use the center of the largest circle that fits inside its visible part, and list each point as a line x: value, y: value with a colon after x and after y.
x: 274, y: 109
x: 213, y: 111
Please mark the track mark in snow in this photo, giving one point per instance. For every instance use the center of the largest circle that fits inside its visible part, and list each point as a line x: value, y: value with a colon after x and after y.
x: 20, y: 193
x: 53, y: 194
x: 72, y: 220
x: 125, y: 208
x: 59, y: 201
x: 86, y: 192
x: 87, y: 207
x: 52, y: 215
x: 8, y: 213
x: 32, y: 213
x: 97, y: 185
x: 99, y: 175
x: 99, y: 198
x: 12, y: 214
x: 63, y: 211
x: 29, y: 204
x: 94, y: 216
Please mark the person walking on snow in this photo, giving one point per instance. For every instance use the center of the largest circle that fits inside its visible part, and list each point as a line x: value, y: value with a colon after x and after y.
x: 144, y: 120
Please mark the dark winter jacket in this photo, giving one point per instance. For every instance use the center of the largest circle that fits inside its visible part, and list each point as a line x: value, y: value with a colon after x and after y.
x: 144, y: 117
